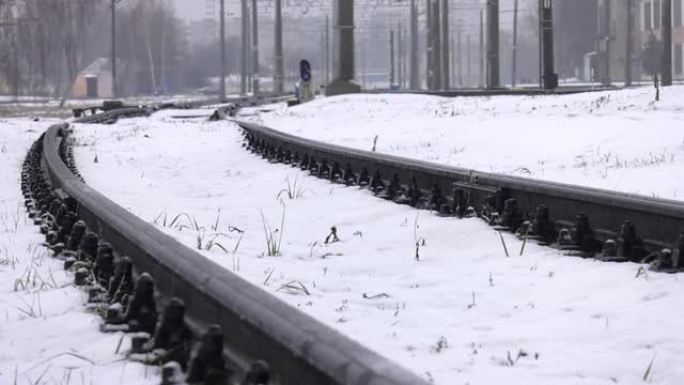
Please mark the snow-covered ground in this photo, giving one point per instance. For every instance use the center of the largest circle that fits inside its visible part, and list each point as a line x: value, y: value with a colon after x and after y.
x: 463, y: 313
x: 621, y: 140
x: 46, y: 335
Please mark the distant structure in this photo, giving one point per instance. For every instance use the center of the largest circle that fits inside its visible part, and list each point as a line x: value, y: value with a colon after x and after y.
x: 343, y: 82
x: 95, y: 81
x: 650, y: 14
x: 625, y: 48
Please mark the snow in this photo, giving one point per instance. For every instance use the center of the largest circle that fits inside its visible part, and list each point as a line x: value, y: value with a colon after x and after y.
x: 456, y: 315
x: 46, y: 333
x: 617, y: 140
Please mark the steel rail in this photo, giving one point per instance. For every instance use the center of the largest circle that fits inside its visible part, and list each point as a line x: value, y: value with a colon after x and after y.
x: 659, y: 221
x: 299, y: 349
x: 479, y: 92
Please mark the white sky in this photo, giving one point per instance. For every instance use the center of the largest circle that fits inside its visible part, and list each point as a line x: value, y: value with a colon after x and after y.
x: 190, y: 9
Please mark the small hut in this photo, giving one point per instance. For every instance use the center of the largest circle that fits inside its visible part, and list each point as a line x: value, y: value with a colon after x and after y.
x: 95, y: 81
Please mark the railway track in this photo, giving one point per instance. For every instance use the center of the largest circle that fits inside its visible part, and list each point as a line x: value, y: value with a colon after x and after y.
x: 262, y: 339
x: 584, y: 221
x: 188, y: 313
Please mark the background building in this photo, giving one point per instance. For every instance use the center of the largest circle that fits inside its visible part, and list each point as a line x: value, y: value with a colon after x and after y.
x: 95, y: 81
x: 650, y: 17
x: 620, y: 44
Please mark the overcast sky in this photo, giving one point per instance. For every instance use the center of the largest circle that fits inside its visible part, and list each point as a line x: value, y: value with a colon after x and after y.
x: 190, y: 9
x: 197, y: 9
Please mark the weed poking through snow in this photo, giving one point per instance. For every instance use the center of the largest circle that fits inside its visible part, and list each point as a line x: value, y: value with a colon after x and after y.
x: 312, y: 246
x: 274, y: 237
x: 419, y: 241
x: 503, y: 242
x: 472, y: 304
x: 641, y: 272
x: 526, y: 233
x: 269, y: 272
x: 649, y: 369
x: 204, y: 239
x: 294, y: 287
x: 510, y: 362
x: 236, y: 257
x: 293, y: 190
x: 34, y: 309
x: 332, y: 237
x: 375, y: 296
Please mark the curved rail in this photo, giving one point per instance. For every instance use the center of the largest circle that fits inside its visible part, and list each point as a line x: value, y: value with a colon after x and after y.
x: 660, y: 222
x: 299, y: 349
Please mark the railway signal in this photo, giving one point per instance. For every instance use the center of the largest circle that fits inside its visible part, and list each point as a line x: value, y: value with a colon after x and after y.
x: 305, y: 70
x: 305, y: 91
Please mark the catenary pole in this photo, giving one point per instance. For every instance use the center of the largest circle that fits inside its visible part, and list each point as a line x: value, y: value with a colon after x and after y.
x: 666, y: 26
x: 514, y: 62
x: 482, y: 51
x: 492, y: 44
x: 629, y: 42
x: 222, y: 80
x: 445, y: 42
x: 115, y: 91
x: 255, y: 48
x: 244, y: 57
x: 279, y: 77
x: 414, y: 82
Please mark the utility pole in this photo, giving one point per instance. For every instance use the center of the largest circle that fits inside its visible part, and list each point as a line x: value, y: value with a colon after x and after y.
x: 629, y: 42
x: 429, y: 46
x: 255, y: 48
x: 437, y: 45
x: 362, y: 63
x: 404, y: 59
x: 400, y: 56
x: 434, y: 45
x: 326, y: 79
x: 453, y: 67
x: 444, y: 52
x: 459, y: 58
x: 470, y: 75
x: 414, y: 82
x: 514, y: 62
x: 322, y: 62
x: 279, y: 77
x: 248, y: 52
x: 666, y: 26
x: 222, y: 81
x: 482, y: 54
x: 606, y: 41
x: 243, y: 59
x: 540, y: 34
x: 162, y: 62
x: 550, y: 76
x: 115, y: 91
x: 343, y: 83
x: 391, y: 41
x: 492, y: 44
